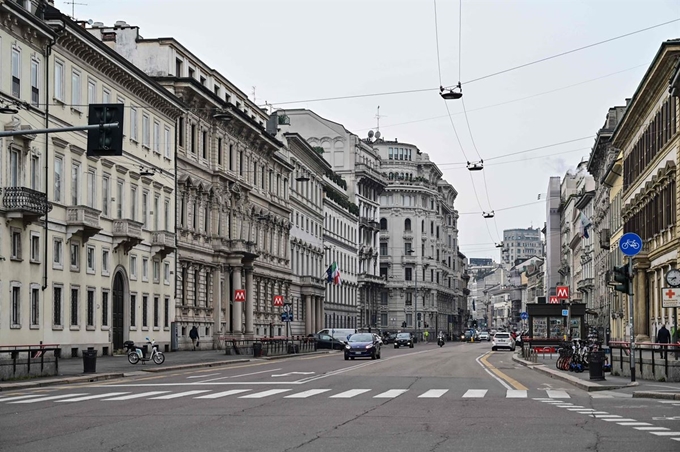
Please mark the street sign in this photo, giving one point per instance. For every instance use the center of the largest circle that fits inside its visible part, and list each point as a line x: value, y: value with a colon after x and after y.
x: 524, y: 315
x: 239, y: 295
x: 554, y: 300
x: 278, y: 300
x: 630, y: 244
x: 565, y: 312
x: 288, y: 307
x: 286, y: 317
x: 562, y: 292
x: 670, y: 297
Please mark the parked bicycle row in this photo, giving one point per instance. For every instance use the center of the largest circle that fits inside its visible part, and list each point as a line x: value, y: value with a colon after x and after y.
x: 575, y: 356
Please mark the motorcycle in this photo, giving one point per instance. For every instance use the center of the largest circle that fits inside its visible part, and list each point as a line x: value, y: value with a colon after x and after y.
x: 136, y: 353
x: 440, y: 341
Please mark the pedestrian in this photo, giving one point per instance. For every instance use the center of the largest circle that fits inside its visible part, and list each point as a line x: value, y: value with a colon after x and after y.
x: 427, y: 335
x: 663, y: 337
x: 193, y: 334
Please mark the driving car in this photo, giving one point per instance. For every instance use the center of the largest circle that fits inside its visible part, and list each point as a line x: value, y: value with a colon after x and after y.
x: 362, y: 345
x: 484, y: 336
x: 326, y: 341
x: 403, y: 339
x: 503, y: 340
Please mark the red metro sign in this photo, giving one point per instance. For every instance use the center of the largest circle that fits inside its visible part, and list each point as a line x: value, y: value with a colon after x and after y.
x: 278, y: 300
x: 239, y: 295
x: 562, y: 292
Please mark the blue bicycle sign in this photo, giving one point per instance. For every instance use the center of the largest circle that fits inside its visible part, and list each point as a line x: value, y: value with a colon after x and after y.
x: 630, y: 244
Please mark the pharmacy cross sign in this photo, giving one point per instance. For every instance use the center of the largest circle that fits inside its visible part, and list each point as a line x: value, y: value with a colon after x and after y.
x: 670, y: 293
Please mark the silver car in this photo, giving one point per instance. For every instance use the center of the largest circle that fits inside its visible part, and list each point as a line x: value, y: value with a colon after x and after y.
x: 484, y: 336
x: 503, y: 340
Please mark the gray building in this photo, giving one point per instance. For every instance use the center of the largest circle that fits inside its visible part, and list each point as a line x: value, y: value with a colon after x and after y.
x: 553, y: 251
x: 520, y: 244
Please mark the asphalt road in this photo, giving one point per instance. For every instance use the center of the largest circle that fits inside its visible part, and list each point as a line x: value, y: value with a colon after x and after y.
x: 459, y: 397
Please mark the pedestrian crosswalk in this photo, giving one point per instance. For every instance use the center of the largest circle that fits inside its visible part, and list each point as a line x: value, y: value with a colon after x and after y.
x: 260, y: 393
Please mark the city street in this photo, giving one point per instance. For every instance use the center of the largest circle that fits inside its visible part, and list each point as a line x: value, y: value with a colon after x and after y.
x: 459, y: 397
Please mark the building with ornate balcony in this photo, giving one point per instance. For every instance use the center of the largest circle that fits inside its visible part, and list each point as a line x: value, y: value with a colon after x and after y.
x: 233, y: 181
x: 78, y: 248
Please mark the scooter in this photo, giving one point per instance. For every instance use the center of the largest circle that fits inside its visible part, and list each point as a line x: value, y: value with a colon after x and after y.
x: 440, y: 341
x: 136, y: 354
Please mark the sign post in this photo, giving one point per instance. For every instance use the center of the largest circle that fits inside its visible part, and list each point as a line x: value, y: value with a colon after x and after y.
x: 630, y: 244
x: 562, y: 293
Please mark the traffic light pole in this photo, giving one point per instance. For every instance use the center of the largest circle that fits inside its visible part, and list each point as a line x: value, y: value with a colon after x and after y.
x: 10, y: 133
x: 630, y: 315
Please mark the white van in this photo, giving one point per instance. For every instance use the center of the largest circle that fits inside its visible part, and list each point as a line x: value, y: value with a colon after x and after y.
x: 339, y: 333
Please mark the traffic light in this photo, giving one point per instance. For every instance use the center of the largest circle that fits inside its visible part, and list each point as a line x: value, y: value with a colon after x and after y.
x: 107, y: 141
x: 622, y: 277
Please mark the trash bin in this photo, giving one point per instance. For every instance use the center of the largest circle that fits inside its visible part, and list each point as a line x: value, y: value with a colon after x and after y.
x: 596, y: 365
x: 90, y: 360
x: 257, y: 349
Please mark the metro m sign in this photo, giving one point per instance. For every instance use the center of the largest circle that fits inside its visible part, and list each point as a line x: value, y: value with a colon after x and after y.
x: 554, y: 300
x: 239, y: 295
x: 278, y: 300
x: 562, y: 292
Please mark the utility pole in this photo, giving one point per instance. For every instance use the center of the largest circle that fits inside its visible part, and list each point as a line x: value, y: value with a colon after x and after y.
x: 630, y: 314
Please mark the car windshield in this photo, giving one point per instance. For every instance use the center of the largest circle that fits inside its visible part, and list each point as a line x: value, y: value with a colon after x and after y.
x: 403, y: 336
x: 361, y: 338
x: 502, y: 335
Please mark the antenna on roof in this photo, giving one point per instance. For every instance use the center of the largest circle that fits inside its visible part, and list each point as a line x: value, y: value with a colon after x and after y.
x: 73, y: 8
x: 377, y: 117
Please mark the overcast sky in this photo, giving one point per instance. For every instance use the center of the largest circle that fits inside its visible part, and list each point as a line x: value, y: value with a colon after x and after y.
x: 303, y: 50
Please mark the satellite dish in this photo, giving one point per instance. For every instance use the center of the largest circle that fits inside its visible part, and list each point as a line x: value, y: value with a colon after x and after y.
x: 370, y: 134
x: 90, y: 21
x: 377, y: 135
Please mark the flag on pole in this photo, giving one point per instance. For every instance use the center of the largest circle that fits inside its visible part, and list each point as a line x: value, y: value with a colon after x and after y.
x: 333, y: 274
x: 585, y: 224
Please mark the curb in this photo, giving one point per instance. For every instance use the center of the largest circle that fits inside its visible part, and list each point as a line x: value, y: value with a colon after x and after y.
x: 655, y: 395
x: 579, y: 383
x: 59, y: 381
x: 195, y: 365
x: 270, y: 358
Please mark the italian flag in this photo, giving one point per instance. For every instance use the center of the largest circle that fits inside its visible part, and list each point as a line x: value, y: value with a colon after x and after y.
x: 333, y: 274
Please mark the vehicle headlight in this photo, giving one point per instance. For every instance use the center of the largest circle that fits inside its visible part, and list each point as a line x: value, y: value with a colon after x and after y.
x: 369, y: 346
x: 347, y: 347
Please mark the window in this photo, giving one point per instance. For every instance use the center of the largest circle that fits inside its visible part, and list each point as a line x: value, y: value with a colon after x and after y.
x: 91, y: 92
x: 193, y: 138
x: 15, y: 314
x: 166, y: 312
x: 240, y: 162
x: 133, y: 202
x: 16, y: 244
x: 181, y: 128
x: 75, y: 184
x: 57, y: 253
x: 105, y: 196
x: 133, y: 266
x: 156, y: 137
x: 35, y: 83
x: 75, y: 90
x: 178, y: 67
x: 146, y: 131
x: 166, y: 142
x: 58, y: 177
x: 255, y: 174
x: 156, y: 212
x: 156, y: 271
x: 119, y: 200
x: 56, y: 306
x: 134, y: 120
x: 105, y: 308
x: 407, y: 248
x: 90, y: 259
x: 145, y: 269
x: 204, y: 144
x: 14, y: 168
x: 133, y: 310
x: 59, y: 80
x: 407, y: 224
x: 75, y: 256
x: 231, y: 157
x: 105, y: 262
x: 219, y: 151
x: 35, y: 173
x: 156, y: 313
x: 383, y: 249
x: 106, y: 96
x: 166, y: 273
x: 166, y: 220
x: 16, y: 73
x: 145, y: 208
x: 408, y: 274
x: 90, y: 308
x: 91, y: 188
x: 74, y: 306
x: 145, y: 311
x: 35, y: 247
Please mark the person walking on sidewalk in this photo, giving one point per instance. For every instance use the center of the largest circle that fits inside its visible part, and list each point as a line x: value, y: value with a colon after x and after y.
x: 193, y: 334
x: 663, y: 337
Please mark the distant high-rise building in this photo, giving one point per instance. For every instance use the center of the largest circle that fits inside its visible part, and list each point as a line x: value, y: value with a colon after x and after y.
x: 520, y: 244
x: 552, y: 236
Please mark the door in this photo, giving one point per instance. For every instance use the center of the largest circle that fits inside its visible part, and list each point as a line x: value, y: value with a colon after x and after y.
x: 117, y: 326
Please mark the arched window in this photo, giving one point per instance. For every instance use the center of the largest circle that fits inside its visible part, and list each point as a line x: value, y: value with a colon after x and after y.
x: 407, y: 224
x: 383, y: 224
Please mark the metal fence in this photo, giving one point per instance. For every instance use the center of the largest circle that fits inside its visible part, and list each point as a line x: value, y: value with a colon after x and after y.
x: 269, y: 346
x: 35, y: 357
x: 652, y: 359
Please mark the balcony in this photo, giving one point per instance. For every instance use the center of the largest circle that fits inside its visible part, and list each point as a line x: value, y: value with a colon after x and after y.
x: 24, y: 203
x: 384, y: 235
x: 363, y: 170
x: 585, y: 284
x: 312, y: 281
x: 82, y: 221
x: 409, y: 259
x: 126, y: 234
x: 162, y: 243
x: 367, y: 278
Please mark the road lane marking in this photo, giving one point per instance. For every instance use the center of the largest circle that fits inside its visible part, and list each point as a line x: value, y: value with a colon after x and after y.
x: 305, y: 394
x: 516, y: 394
x: 349, y: 394
x: 475, y: 393
x: 556, y: 394
x: 665, y: 433
x: 652, y: 428
x: 601, y: 396
x: 433, y: 394
x: 179, y: 394
x: 9, y: 399
x: 241, y: 375
x: 217, y: 395
x: 602, y: 416
x: 392, y: 393
x: 618, y: 420
x: 91, y: 397
x: 633, y: 424
x: 581, y: 410
x: 203, y: 376
x: 46, y: 399
x: 136, y: 396
x: 499, y: 376
x: 260, y: 395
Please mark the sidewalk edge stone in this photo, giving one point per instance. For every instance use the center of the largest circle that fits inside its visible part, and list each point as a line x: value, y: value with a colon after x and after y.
x: 655, y: 395
x: 270, y: 358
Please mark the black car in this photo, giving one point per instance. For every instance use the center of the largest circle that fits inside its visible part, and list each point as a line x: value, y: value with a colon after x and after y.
x: 362, y: 345
x: 389, y: 338
x: 327, y: 341
x: 403, y: 340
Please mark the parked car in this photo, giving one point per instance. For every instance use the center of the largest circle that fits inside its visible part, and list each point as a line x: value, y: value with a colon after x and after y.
x: 326, y: 341
x: 362, y: 345
x: 403, y: 340
x: 484, y: 336
x: 389, y: 338
x: 338, y: 333
x: 503, y: 340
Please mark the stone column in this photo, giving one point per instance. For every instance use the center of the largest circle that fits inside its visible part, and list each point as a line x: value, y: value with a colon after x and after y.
x: 319, y: 313
x: 238, y: 305
x: 250, y: 295
x: 309, y: 322
x: 226, y: 300
x: 217, y: 306
x: 641, y: 327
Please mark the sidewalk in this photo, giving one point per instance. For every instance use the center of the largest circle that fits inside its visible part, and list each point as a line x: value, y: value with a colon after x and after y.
x: 638, y: 389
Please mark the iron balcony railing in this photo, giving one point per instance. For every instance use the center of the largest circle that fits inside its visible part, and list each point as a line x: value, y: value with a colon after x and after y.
x: 25, y: 199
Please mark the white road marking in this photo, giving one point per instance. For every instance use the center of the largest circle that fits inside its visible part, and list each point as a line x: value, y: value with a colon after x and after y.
x: 554, y: 394
x: 305, y: 394
x: 242, y: 375
x: 581, y: 410
x: 349, y: 394
x: 633, y: 424
x: 9, y: 399
x: 179, y: 394
x: 392, y: 393
x: 599, y: 416
x: 595, y: 395
x: 217, y: 395
x: 505, y: 385
x: 649, y: 429
x: 675, y: 439
x: 433, y: 394
x: 263, y: 394
x: 516, y: 394
x: 618, y: 420
x: 46, y: 399
x: 202, y: 376
x: 136, y: 396
x: 91, y: 397
x: 293, y: 373
x: 475, y: 393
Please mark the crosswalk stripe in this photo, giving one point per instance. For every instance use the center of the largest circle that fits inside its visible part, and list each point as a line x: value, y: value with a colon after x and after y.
x: 392, y: 393
x: 136, y: 396
x: 179, y: 394
x: 633, y: 424
x: 557, y: 394
x: 618, y: 420
x: 675, y: 439
x: 349, y: 394
x: 433, y: 394
x: 652, y: 428
x: 665, y: 433
x: 599, y: 416
x: 9, y: 399
x: 305, y: 394
x: 91, y: 397
x: 595, y: 395
x: 475, y: 393
x: 46, y: 399
x: 217, y: 395
x: 516, y: 394
x: 260, y: 395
